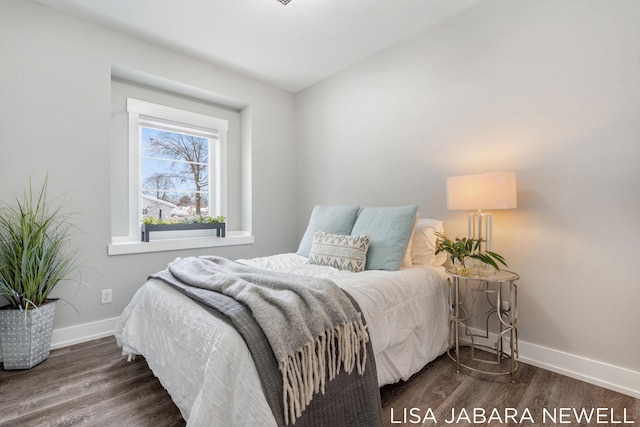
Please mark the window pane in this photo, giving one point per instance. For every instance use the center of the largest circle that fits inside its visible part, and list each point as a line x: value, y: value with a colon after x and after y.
x: 171, y: 175
x: 174, y: 173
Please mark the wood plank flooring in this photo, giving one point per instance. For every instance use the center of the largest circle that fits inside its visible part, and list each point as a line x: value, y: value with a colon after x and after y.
x: 92, y: 384
x: 440, y: 389
x: 88, y: 384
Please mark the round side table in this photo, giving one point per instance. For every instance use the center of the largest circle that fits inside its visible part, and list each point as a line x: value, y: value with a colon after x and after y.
x: 500, y: 290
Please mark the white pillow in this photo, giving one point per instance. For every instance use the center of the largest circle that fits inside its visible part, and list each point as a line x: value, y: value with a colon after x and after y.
x: 339, y: 251
x: 423, y: 243
x: 407, y: 261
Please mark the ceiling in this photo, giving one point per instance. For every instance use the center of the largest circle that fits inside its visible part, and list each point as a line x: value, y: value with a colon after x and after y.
x: 289, y: 46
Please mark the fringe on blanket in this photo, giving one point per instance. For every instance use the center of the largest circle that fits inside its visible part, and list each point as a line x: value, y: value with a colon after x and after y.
x: 305, y: 372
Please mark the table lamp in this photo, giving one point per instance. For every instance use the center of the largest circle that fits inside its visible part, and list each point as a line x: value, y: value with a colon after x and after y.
x: 493, y: 190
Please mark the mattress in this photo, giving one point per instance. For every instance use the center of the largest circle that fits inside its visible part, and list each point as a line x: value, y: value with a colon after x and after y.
x: 208, y: 371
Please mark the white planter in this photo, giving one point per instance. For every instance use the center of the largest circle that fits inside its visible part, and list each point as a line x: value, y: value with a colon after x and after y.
x: 26, y: 338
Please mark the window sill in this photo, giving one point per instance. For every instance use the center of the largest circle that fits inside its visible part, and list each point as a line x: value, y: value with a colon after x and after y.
x: 129, y: 247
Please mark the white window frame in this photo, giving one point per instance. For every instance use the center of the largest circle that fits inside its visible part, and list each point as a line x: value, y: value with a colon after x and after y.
x: 143, y: 113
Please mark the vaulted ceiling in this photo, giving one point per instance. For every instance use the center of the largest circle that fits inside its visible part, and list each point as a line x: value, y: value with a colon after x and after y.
x: 289, y: 46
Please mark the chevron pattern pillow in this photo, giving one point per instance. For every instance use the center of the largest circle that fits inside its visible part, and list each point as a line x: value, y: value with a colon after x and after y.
x: 340, y: 251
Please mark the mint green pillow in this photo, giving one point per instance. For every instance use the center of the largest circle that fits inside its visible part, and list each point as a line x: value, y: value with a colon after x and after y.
x: 330, y: 219
x: 390, y: 230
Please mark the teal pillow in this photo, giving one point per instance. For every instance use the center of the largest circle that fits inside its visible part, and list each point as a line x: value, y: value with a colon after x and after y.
x: 390, y: 230
x: 330, y: 219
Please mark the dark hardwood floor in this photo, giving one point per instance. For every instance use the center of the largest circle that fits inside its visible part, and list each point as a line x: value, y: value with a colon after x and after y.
x: 534, y: 397
x: 87, y: 384
x: 92, y: 384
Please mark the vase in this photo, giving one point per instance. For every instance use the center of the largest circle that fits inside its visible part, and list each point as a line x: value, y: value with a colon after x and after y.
x: 460, y: 268
x: 25, y: 336
x: 473, y: 268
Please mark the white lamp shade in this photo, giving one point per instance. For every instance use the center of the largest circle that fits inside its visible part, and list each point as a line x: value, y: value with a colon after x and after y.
x: 494, y: 190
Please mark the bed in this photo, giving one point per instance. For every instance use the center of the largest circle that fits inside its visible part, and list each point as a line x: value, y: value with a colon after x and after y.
x: 205, y: 365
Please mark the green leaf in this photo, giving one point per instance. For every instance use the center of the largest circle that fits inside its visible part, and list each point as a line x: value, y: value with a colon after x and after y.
x: 498, y: 257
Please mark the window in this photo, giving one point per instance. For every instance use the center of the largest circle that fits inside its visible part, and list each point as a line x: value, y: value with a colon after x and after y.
x: 177, y: 163
x: 177, y: 170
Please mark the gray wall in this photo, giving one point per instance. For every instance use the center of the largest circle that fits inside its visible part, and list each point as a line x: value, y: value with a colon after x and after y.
x: 548, y: 88
x: 55, y: 118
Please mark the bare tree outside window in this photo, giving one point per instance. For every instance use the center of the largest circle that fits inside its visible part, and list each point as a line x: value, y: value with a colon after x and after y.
x: 161, y: 183
x: 175, y: 169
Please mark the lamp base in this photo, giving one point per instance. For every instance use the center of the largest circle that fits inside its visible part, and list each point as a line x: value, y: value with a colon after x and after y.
x: 481, y: 228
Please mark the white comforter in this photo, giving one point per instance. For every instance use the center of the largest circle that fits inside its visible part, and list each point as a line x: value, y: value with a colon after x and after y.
x: 208, y: 371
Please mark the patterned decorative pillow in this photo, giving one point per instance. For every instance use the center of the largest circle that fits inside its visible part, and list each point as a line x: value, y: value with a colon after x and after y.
x: 340, y: 251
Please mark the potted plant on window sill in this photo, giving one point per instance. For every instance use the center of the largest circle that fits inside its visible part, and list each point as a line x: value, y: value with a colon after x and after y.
x: 462, y: 249
x: 200, y: 223
x: 35, y: 257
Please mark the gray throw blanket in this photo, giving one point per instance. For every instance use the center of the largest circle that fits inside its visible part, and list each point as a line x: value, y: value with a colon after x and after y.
x: 312, y: 327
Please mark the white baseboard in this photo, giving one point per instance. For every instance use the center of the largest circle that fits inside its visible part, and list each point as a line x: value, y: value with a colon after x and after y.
x: 602, y: 374
x: 64, y: 337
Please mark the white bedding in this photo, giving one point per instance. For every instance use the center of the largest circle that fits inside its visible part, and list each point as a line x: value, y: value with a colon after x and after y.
x: 207, y: 369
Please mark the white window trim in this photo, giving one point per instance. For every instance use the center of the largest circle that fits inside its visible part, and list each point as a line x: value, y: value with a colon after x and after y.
x: 131, y: 243
x: 124, y: 245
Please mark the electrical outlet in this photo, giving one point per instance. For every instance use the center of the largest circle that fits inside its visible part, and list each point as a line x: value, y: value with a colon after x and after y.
x: 105, y: 297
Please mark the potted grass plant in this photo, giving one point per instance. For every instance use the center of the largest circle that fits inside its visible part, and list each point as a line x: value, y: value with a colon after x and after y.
x: 35, y: 256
